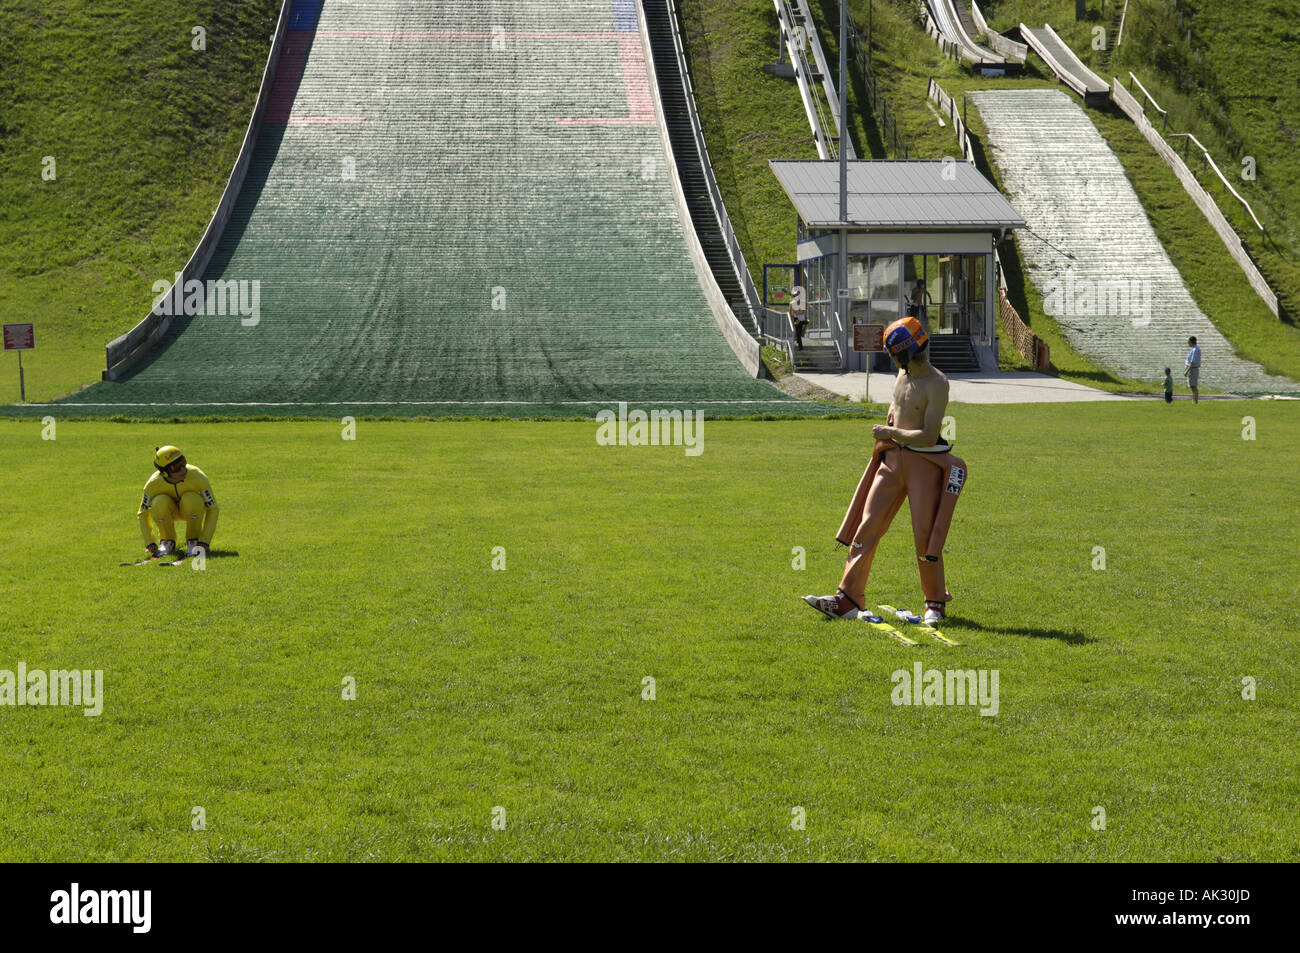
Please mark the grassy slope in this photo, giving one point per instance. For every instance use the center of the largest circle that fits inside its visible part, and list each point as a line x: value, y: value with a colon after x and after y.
x: 144, y: 132
x: 522, y: 688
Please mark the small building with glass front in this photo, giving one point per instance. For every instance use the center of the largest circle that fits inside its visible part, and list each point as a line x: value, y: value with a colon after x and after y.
x: 919, y: 240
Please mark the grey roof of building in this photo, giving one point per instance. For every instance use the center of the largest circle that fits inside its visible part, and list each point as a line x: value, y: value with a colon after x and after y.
x: 932, y: 194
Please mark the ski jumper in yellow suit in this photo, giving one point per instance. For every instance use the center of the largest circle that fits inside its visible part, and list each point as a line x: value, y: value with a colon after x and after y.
x: 185, y: 510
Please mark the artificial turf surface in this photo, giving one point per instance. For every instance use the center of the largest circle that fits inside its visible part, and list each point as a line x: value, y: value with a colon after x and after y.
x: 522, y: 688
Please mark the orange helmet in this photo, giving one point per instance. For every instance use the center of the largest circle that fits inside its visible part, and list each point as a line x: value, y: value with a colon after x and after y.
x: 904, y: 340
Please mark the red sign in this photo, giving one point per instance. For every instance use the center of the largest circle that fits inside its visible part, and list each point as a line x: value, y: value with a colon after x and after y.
x: 868, y: 337
x: 20, y: 337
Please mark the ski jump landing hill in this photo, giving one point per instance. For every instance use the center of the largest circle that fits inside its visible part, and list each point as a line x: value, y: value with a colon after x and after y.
x: 1119, y: 299
x: 1065, y: 63
x: 957, y: 23
x: 449, y: 208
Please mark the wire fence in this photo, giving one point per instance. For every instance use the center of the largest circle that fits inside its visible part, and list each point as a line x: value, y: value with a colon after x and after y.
x: 886, y: 118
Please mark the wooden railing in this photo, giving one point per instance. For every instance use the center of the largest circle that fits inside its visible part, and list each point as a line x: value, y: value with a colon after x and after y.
x: 1031, y: 347
x: 1204, y: 201
x: 949, y: 107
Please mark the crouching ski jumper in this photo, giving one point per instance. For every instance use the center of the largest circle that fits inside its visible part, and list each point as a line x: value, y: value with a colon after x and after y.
x: 178, y: 499
x: 909, y: 461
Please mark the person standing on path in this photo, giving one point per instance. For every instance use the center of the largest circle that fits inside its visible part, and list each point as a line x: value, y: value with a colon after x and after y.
x: 1193, y: 369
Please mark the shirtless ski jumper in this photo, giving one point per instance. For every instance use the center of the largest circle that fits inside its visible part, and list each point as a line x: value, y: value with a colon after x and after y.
x: 932, y: 480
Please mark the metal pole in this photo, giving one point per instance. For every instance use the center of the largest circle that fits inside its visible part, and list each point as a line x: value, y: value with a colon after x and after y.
x: 844, y: 59
x: 841, y: 299
x: 22, y: 386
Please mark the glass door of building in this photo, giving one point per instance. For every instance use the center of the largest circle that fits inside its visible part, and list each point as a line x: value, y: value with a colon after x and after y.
x: 874, y: 288
x: 818, y: 278
x: 952, y: 295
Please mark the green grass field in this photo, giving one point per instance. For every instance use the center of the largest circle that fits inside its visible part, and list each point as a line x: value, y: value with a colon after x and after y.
x: 522, y: 688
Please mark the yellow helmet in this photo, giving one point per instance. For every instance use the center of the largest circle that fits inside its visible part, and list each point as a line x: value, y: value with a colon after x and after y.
x: 164, y: 457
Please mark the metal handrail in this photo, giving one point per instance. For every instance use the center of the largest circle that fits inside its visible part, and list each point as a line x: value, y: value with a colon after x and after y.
x: 752, y: 299
x: 827, y: 145
x: 1123, y: 16
x: 1205, y: 154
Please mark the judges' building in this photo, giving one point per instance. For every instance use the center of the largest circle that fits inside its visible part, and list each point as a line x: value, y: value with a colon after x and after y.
x: 919, y: 240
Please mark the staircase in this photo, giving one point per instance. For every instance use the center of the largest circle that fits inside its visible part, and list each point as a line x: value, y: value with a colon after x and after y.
x: 660, y: 16
x: 1112, y: 33
x: 817, y: 359
x: 953, y: 353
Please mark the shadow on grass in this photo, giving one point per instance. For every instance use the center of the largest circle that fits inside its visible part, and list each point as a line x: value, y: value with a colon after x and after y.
x: 1074, y: 637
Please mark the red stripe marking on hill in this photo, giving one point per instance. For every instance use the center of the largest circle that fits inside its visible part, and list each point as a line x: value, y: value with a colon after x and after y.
x: 636, y: 87
x: 462, y: 35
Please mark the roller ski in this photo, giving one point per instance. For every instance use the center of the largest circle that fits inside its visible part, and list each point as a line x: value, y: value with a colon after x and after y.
x: 156, y: 551
x: 927, y: 623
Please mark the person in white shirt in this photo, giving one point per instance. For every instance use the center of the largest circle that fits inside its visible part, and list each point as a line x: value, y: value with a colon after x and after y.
x: 1193, y: 369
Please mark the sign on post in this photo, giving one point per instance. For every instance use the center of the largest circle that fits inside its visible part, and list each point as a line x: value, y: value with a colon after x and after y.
x: 868, y: 337
x: 20, y: 337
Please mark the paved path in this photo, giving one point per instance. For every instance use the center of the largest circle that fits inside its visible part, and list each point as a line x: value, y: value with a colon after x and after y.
x: 1019, y: 387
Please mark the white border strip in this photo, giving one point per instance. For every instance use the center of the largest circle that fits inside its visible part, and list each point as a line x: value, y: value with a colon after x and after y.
x: 788, y: 402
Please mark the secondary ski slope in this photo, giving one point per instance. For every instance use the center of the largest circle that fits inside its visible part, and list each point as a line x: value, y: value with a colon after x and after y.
x: 454, y: 206
x: 949, y: 20
x: 1120, y: 300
